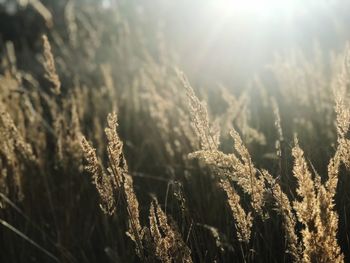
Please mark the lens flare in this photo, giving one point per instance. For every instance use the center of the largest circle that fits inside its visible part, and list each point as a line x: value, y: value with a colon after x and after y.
x: 259, y: 8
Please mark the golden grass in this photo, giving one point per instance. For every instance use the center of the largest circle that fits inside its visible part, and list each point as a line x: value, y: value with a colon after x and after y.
x: 174, y: 163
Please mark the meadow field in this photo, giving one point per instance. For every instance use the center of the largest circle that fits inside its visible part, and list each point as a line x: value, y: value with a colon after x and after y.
x: 154, y: 131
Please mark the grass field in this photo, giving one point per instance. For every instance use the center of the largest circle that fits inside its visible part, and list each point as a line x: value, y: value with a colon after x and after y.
x: 118, y: 145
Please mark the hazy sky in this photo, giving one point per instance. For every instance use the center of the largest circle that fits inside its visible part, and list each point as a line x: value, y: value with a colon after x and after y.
x: 228, y: 40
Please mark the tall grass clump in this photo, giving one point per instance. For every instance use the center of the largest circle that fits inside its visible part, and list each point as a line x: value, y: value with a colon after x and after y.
x: 178, y: 172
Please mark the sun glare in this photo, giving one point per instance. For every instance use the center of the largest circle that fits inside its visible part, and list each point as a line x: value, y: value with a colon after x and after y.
x: 259, y: 8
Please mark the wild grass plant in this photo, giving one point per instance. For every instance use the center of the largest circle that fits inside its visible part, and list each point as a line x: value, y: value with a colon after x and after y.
x: 109, y: 154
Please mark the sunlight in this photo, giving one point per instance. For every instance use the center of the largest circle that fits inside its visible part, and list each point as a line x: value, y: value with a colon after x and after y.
x: 259, y: 8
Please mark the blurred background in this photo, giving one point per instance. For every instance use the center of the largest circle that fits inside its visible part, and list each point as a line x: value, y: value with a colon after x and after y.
x: 214, y: 41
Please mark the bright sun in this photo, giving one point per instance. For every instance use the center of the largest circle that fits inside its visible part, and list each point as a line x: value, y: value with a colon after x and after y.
x: 259, y: 8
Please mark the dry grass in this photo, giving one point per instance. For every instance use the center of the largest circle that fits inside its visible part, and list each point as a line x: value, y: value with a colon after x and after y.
x: 180, y: 180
